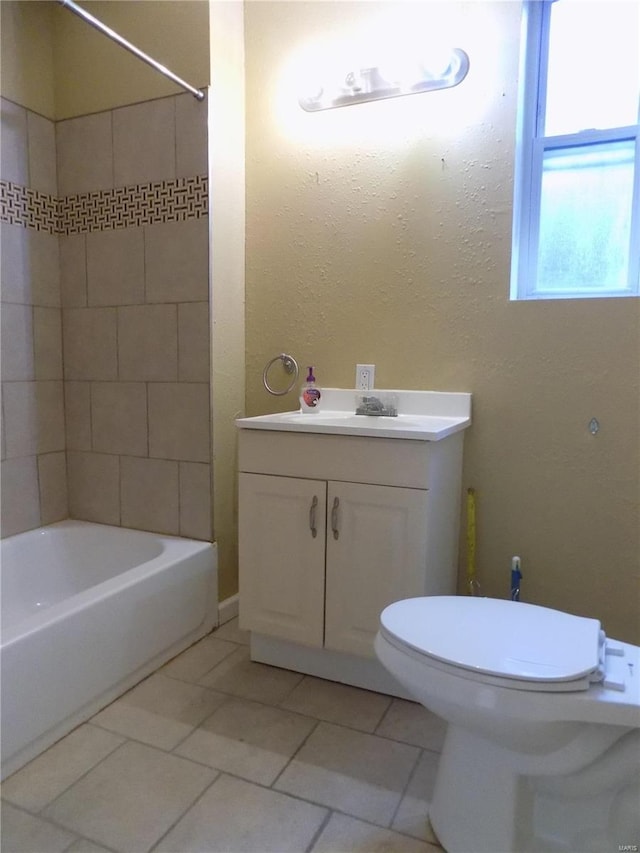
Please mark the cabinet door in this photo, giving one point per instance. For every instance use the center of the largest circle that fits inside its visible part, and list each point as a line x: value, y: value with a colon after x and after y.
x: 379, y: 556
x: 281, y: 561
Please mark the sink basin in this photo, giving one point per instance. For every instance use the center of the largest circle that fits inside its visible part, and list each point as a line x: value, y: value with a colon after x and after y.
x: 431, y: 416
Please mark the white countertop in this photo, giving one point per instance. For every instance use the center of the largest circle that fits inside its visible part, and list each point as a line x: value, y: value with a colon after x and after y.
x: 423, y: 415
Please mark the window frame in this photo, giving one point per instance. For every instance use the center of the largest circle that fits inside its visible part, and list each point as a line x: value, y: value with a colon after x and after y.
x: 531, y: 146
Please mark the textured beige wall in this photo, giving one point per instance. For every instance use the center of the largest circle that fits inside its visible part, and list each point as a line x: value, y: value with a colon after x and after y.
x: 381, y: 233
x: 226, y: 216
x: 57, y: 65
x: 26, y: 48
x: 92, y: 73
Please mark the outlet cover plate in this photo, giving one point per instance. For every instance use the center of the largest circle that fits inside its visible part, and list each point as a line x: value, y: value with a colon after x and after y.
x: 365, y: 377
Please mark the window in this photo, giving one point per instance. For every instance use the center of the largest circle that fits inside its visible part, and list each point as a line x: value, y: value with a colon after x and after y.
x: 576, y: 229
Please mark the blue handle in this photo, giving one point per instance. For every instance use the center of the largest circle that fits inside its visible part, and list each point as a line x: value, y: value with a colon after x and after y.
x: 516, y: 576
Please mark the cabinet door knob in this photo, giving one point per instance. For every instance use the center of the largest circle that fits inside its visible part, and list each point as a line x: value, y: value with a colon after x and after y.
x: 312, y: 517
x: 334, y: 518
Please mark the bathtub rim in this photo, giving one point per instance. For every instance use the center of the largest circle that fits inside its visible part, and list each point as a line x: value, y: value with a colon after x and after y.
x: 201, y: 551
x: 172, y: 547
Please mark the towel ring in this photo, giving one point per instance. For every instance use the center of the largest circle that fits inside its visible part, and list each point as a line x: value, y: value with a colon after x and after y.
x: 290, y: 365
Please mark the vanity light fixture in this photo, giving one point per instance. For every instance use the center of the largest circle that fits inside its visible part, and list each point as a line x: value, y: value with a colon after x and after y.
x: 376, y: 83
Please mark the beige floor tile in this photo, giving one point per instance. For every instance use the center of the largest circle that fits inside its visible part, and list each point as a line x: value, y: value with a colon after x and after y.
x: 240, y: 676
x: 345, y: 834
x: 412, y: 816
x: 131, y: 798
x: 48, y: 775
x: 338, y: 703
x: 232, y: 631
x: 159, y: 711
x: 25, y: 833
x: 198, y: 660
x: 357, y: 773
x: 238, y: 816
x: 248, y: 739
x: 412, y: 723
x: 84, y: 846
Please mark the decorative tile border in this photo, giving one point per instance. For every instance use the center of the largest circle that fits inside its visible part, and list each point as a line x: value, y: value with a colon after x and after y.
x: 30, y: 208
x: 124, y: 207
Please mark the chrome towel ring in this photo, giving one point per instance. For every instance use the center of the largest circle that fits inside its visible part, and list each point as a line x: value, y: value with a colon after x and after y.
x: 290, y: 366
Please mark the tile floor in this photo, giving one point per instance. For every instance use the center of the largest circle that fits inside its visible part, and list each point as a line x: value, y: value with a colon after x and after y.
x: 216, y: 753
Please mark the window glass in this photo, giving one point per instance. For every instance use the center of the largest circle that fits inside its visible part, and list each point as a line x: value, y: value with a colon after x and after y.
x: 585, y: 217
x: 576, y: 223
x: 593, y: 80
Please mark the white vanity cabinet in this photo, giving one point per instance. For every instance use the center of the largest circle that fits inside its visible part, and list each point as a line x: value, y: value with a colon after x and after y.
x: 332, y: 529
x: 281, y: 561
x: 319, y: 560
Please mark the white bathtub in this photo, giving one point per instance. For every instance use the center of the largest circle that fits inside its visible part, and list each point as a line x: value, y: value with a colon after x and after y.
x: 89, y: 610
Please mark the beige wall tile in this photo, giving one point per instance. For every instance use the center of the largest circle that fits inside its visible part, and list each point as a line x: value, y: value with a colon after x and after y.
x: 93, y: 482
x: 144, y: 142
x: 15, y: 284
x: 20, y: 508
x: 43, y: 258
x: 3, y: 435
x: 77, y: 410
x: 150, y: 495
x: 194, y: 358
x: 73, y: 270
x: 34, y: 418
x: 148, y: 343
x: 179, y: 421
x: 50, y: 416
x: 119, y: 417
x: 14, y: 164
x: 17, y: 342
x: 195, y: 500
x: 52, y: 477
x: 89, y: 338
x: 20, y: 418
x: 29, y: 266
x: 42, y: 154
x: 177, y: 261
x: 191, y: 136
x: 85, y: 155
x: 47, y: 342
x: 115, y: 267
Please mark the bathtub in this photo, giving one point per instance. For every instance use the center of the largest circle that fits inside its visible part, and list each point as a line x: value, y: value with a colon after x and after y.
x: 89, y: 610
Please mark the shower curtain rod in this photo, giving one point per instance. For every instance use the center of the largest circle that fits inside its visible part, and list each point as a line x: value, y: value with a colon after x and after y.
x: 94, y: 22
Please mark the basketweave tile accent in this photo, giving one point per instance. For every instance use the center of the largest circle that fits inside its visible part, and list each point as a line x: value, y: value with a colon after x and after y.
x: 130, y: 207
x: 32, y: 209
x: 101, y: 210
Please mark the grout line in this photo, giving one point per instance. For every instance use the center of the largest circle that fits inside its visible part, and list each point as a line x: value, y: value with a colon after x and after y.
x: 191, y: 805
x: 319, y: 831
x: 403, y: 793
x: 38, y: 812
x: 219, y: 773
x: 291, y: 759
x: 384, y: 715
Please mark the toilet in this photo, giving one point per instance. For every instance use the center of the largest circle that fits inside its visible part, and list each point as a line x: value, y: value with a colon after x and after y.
x: 542, y: 751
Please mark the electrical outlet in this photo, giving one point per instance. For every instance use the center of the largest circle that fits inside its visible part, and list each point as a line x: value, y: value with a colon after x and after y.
x: 365, y: 375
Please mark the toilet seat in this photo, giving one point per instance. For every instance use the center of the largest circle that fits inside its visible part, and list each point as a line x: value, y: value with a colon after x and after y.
x: 512, y: 644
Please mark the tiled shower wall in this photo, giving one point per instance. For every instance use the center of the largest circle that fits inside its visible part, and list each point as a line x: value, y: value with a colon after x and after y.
x: 133, y: 298
x: 33, y: 484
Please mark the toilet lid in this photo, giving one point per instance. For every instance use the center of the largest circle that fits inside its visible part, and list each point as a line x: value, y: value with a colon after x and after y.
x: 507, y: 639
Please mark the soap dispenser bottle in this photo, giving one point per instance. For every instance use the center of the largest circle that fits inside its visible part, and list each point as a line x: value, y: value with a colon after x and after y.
x: 310, y: 394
